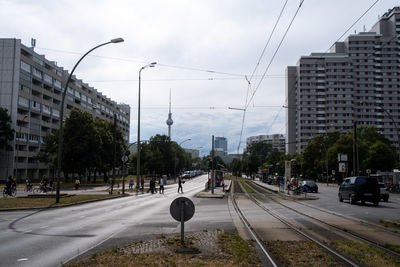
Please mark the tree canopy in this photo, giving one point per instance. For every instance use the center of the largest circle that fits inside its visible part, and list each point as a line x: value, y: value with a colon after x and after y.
x: 6, y: 132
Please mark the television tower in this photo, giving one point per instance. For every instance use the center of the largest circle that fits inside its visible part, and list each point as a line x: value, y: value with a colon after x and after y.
x: 169, y: 120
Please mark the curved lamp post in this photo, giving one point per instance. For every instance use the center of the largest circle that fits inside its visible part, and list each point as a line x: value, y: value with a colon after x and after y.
x: 175, y: 154
x: 151, y: 65
x: 60, y: 134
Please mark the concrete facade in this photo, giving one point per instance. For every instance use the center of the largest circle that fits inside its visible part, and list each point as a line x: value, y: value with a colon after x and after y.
x: 357, y: 81
x: 31, y: 89
x: 277, y: 141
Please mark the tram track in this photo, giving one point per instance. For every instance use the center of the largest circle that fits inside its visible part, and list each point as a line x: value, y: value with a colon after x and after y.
x: 331, y: 251
x: 351, y: 235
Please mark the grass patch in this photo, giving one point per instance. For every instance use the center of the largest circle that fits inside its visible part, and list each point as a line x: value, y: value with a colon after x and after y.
x: 13, y: 203
x: 233, y: 251
x: 246, y: 187
x: 365, y: 254
x: 393, y: 223
x: 300, y: 253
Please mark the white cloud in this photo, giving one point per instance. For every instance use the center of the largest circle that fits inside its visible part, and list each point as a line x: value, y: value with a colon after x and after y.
x: 225, y: 36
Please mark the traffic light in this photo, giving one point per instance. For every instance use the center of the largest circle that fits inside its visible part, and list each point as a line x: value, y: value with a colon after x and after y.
x: 209, y: 164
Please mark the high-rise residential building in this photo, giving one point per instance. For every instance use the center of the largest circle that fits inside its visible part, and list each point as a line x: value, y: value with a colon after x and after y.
x: 357, y: 81
x: 31, y: 89
x: 221, y: 144
x: 277, y: 141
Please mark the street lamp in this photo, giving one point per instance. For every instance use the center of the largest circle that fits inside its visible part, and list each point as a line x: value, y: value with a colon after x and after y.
x: 175, y: 153
x: 60, y: 134
x: 16, y: 162
x: 151, y: 65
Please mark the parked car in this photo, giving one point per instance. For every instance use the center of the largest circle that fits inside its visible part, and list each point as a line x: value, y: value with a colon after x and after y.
x: 309, y: 186
x: 384, y: 192
x: 360, y: 188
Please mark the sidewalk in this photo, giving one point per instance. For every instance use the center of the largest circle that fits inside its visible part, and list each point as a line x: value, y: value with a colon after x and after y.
x: 219, y: 192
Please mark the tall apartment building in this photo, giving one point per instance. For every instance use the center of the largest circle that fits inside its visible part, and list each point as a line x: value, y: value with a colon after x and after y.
x: 277, y: 141
x: 357, y: 81
x: 31, y: 89
x: 221, y: 144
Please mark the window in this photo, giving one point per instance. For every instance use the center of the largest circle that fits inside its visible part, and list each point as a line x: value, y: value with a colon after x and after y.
x: 57, y: 83
x: 33, y: 138
x: 25, y: 89
x: 46, y: 109
x: 56, y: 113
x: 47, y: 78
x: 23, y: 101
x: 35, y: 106
x: 37, y: 73
x: 77, y: 94
x: 34, y: 126
x: 70, y: 91
x: 26, y: 67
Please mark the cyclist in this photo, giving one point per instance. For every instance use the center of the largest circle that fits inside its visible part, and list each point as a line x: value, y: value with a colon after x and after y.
x: 28, y: 184
x: 9, y: 182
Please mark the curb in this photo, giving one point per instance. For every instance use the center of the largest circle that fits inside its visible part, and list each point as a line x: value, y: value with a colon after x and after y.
x: 62, y: 206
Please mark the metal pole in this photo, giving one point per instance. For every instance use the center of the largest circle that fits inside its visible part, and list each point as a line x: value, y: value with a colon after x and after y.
x: 182, y: 222
x: 60, y: 133
x: 212, y: 166
x: 114, y: 151
x: 138, y: 131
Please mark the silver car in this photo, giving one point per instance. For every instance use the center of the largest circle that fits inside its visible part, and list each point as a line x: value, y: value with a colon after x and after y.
x: 384, y: 192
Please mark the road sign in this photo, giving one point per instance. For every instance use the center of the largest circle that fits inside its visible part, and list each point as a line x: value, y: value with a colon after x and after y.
x: 182, y: 210
x: 124, y: 158
x: 186, y: 204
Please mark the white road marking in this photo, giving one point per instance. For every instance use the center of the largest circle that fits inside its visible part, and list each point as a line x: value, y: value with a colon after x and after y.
x: 45, y: 226
x: 23, y: 259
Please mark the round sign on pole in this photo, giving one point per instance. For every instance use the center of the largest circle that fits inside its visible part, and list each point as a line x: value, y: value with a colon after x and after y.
x: 175, y: 209
x: 124, y: 158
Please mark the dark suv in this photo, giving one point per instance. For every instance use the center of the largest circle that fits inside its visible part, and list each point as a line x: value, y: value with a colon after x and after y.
x: 360, y: 188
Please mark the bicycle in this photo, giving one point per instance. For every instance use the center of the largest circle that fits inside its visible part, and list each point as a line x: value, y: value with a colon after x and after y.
x: 40, y: 189
x: 28, y: 188
x: 12, y: 194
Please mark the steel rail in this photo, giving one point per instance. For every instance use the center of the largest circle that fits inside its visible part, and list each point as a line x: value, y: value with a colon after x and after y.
x: 250, y: 229
x: 343, y: 230
x: 294, y: 228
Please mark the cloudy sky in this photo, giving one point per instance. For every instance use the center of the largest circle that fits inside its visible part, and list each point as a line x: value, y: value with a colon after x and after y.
x: 204, y: 50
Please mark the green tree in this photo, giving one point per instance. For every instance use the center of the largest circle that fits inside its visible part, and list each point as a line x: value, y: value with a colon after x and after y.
x: 80, y: 142
x: 6, y: 132
x: 236, y: 167
x: 48, y: 150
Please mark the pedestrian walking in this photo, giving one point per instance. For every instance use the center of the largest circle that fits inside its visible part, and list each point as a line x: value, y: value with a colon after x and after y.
x: 77, y: 182
x: 152, y: 186
x: 288, y: 186
x: 142, y: 183
x: 161, y: 182
x: 180, y: 182
x: 131, y: 184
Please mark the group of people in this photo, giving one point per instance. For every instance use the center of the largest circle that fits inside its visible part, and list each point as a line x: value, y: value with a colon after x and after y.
x: 152, y: 184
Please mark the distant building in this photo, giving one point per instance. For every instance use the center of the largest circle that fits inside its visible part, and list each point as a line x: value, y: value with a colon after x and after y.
x: 221, y: 143
x: 357, y: 81
x: 31, y: 88
x: 194, y: 153
x: 277, y: 141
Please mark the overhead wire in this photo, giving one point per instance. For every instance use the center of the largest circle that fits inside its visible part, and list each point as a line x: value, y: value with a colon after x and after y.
x: 254, y: 71
x: 270, y: 62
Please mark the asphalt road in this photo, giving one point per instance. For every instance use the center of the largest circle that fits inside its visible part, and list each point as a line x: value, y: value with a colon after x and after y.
x: 52, y: 237
x: 328, y: 199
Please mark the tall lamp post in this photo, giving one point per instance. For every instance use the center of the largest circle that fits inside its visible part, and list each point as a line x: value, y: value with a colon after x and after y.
x: 151, y: 65
x: 60, y: 134
x: 175, y: 153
